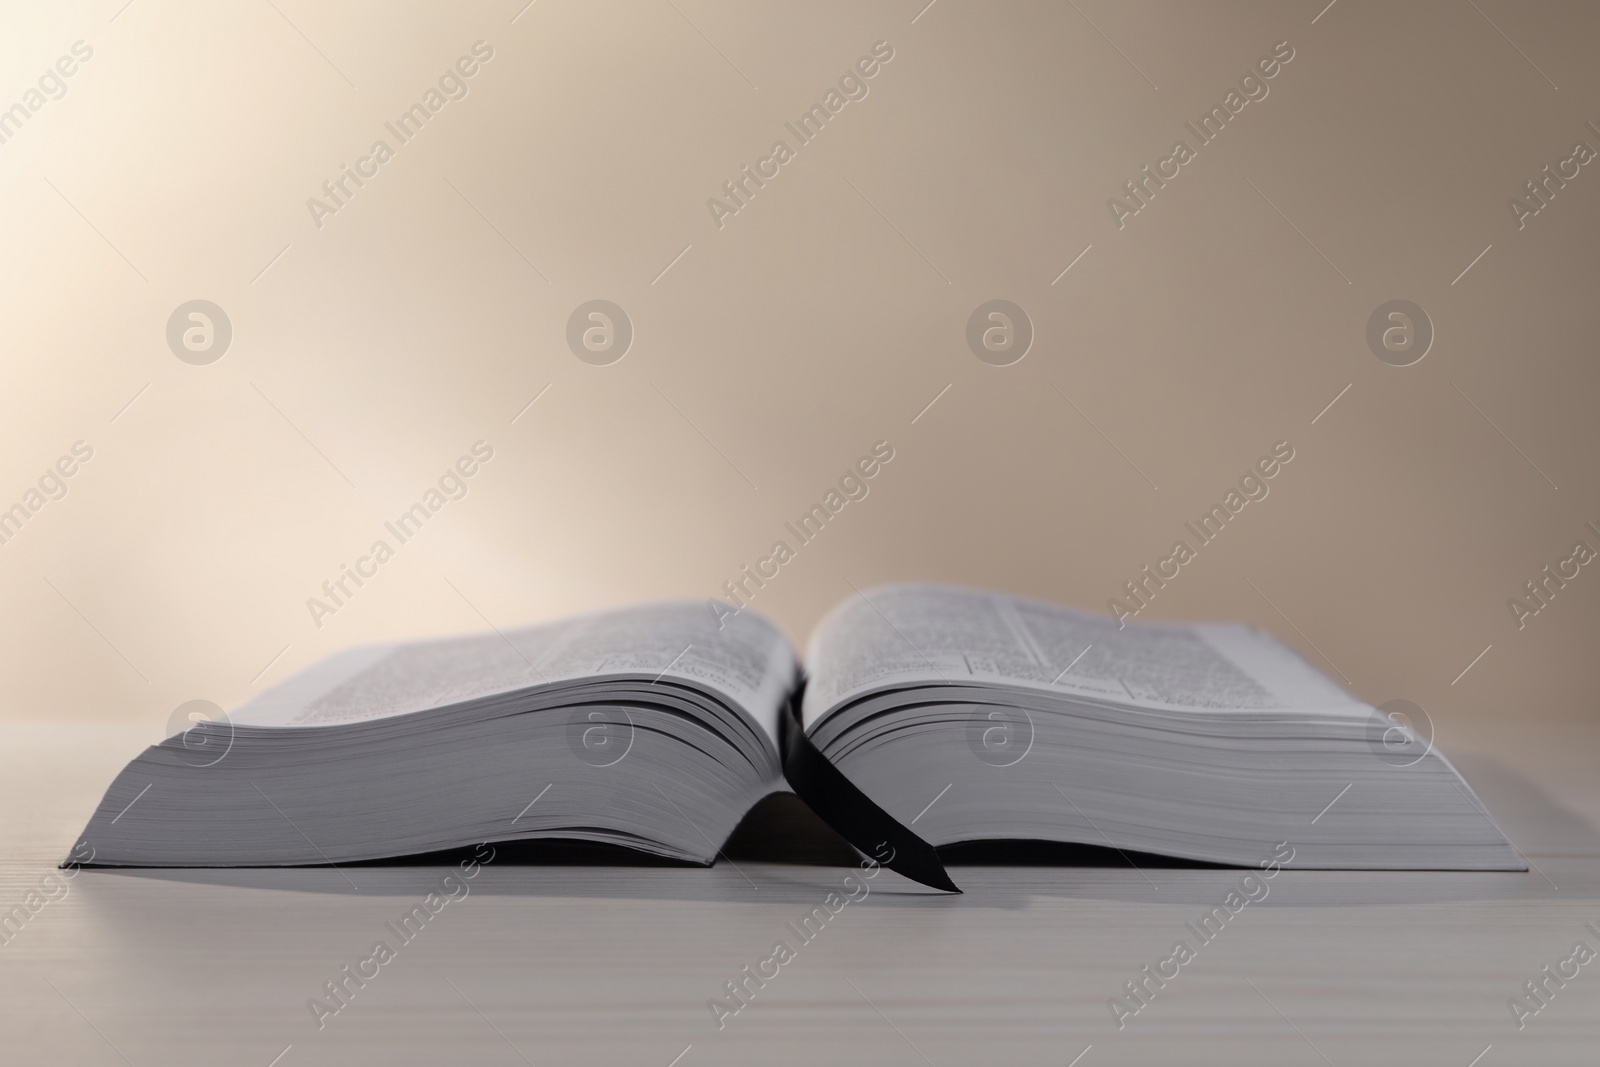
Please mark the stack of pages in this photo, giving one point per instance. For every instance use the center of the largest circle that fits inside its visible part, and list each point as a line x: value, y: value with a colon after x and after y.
x: 965, y: 715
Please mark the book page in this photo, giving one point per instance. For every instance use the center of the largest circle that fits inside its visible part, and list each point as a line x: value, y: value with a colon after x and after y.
x: 927, y: 634
x: 748, y: 661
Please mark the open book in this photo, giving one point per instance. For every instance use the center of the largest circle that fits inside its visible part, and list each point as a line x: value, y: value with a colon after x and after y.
x: 937, y: 714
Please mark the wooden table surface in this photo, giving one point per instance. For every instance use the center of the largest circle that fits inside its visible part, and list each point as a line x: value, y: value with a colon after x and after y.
x: 615, y: 962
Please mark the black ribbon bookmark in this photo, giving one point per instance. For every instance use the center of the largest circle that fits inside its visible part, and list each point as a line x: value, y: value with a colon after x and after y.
x: 856, y: 817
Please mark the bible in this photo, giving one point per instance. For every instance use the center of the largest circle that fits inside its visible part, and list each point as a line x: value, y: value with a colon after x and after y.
x: 924, y: 716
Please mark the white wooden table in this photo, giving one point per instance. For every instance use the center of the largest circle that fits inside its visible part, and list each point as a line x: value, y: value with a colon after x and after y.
x: 615, y: 964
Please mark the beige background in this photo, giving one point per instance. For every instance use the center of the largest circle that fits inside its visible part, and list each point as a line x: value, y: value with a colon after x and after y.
x: 426, y: 314
x: 825, y: 316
